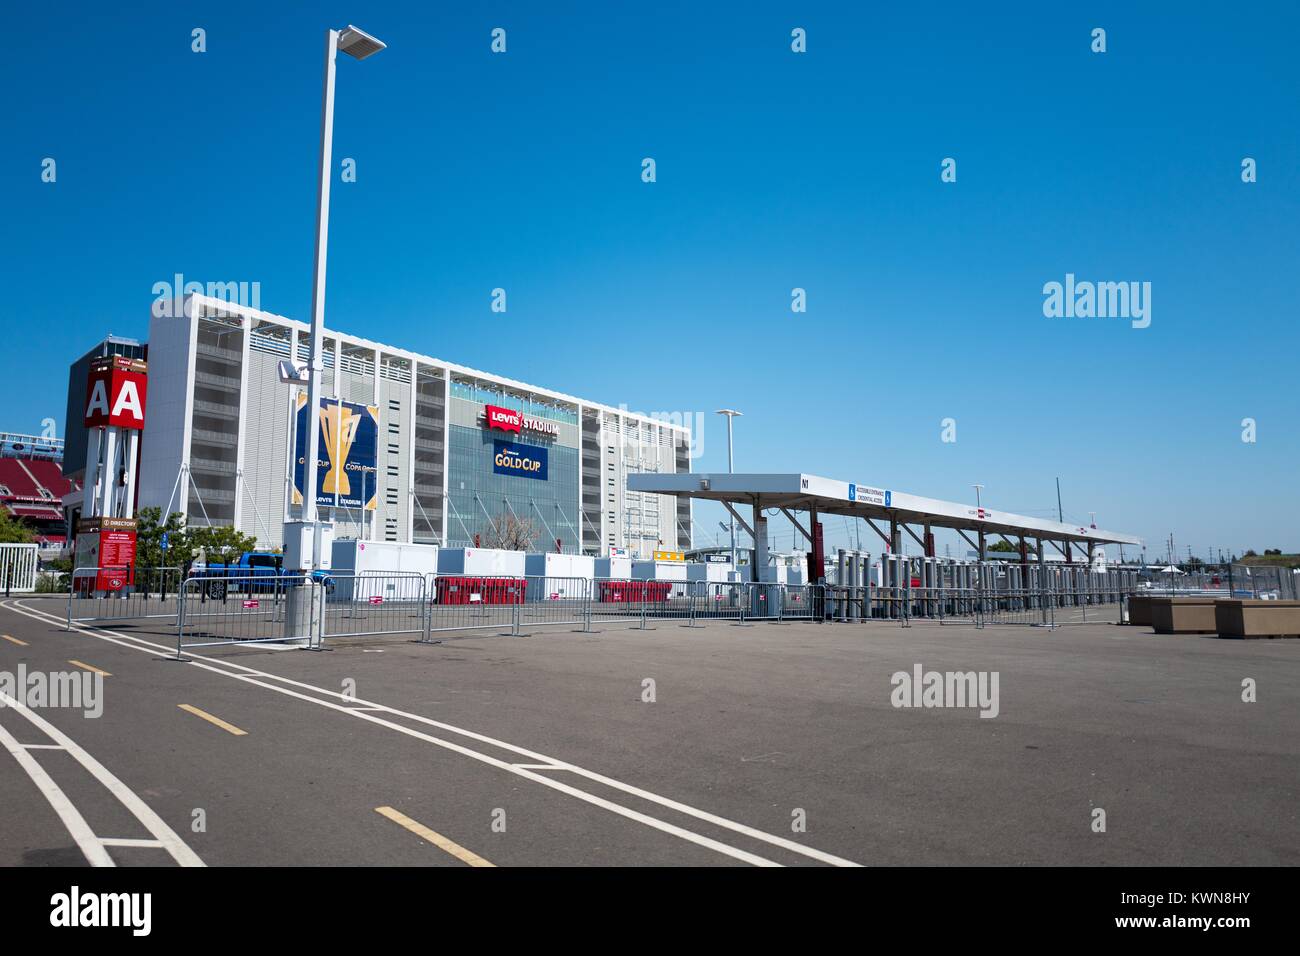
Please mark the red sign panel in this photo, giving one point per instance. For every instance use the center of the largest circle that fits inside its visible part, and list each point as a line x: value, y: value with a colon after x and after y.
x: 376, y: 599
x: 116, y: 560
x: 506, y: 419
x: 115, y: 395
x: 251, y: 605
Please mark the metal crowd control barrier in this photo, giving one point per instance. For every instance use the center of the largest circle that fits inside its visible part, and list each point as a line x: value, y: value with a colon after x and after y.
x: 764, y: 601
x: 253, y: 609
x: 299, y: 609
x: 374, y: 604
x: 715, y: 601
x: 552, y: 601
x: 472, y: 603
x: 625, y: 600
x: 848, y: 603
x: 153, y: 593
x: 19, y: 563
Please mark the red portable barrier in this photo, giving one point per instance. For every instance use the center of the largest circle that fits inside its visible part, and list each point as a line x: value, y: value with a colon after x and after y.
x: 512, y: 590
x: 451, y: 591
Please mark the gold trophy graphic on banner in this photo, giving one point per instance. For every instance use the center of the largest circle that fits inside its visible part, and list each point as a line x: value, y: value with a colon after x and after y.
x: 340, y: 426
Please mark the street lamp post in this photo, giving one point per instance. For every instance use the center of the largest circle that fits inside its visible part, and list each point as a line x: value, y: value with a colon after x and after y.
x: 731, y: 414
x: 358, y: 44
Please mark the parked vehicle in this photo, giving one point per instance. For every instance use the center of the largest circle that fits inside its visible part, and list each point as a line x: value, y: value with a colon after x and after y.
x: 266, y: 568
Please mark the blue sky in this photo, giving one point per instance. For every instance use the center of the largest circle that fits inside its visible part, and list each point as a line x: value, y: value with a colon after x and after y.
x: 775, y: 170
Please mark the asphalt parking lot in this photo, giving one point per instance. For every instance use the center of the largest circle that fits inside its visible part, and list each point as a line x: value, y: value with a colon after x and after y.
x: 713, y: 745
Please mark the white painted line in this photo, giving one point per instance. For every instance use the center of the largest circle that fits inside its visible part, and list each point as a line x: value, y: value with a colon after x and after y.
x: 72, y: 819
x: 40, y: 746
x: 172, y: 843
x: 249, y: 674
x: 126, y: 841
x: 538, y: 766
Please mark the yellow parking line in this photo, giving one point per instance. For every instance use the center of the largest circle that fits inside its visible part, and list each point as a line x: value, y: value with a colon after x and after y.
x: 88, y: 667
x: 14, y: 640
x: 437, y: 839
x: 230, y: 728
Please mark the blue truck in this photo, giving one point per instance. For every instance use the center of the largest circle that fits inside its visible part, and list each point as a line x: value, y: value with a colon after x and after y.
x: 253, y: 571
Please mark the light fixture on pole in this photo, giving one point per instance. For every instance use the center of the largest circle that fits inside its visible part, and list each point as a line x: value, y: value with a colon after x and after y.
x: 731, y: 414
x: 359, y: 45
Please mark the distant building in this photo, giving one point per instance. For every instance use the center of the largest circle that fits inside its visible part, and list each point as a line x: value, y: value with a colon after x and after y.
x: 32, y: 485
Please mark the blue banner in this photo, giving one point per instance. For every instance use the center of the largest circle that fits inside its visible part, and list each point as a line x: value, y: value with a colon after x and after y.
x: 347, y: 472
x: 522, y: 461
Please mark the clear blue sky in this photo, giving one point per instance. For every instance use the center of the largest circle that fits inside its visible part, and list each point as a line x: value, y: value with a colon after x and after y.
x: 775, y: 170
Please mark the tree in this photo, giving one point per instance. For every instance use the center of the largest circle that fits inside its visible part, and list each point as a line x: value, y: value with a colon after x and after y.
x: 1004, y: 547
x: 149, y: 552
x: 13, y: 531
x: 220, y: 544
x: 512, y: 534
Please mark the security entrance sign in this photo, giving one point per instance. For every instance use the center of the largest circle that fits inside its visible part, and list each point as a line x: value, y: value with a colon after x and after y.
x: 868, y: 495
x: 347, y: 472
x: 522, y: 461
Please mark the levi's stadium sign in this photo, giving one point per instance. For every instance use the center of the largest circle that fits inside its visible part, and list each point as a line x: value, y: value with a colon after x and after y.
x: 510, y: 420
x: 506, y: 419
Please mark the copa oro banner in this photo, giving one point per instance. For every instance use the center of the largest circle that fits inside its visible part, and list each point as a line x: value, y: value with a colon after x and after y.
x: 347, y: 469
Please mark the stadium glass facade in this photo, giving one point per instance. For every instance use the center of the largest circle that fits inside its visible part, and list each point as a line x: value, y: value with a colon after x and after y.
x: 463, y: 456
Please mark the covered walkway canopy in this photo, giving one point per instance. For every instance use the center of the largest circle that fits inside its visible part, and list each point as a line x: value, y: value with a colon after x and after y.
x: 820, y: 496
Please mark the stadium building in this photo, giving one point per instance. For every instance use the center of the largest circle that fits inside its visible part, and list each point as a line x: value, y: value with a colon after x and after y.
x: 33, y: 487
x: 446, y: 455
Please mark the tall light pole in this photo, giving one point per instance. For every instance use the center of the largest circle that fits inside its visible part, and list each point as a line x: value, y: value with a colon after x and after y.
x: 358, y: 44
x: 978, y: 489
x: 731, y: 414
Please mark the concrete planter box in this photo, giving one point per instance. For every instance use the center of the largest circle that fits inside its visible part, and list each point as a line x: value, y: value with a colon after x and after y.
x: 1185, y: 615
x: 1139, y: 609
x: 1242, y: 618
